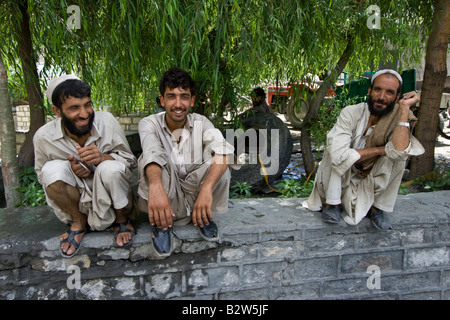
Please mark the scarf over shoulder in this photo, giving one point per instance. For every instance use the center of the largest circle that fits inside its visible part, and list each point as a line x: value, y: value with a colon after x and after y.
x: 380, y: 135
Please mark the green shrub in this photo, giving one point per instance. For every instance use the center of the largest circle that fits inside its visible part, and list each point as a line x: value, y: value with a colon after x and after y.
x: 31, y: 192
x: 240, y: 190
x: 292, y: 188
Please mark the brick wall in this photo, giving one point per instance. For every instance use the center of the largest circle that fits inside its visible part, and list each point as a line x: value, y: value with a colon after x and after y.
x: 130, y: 122
x: 269, y: 249
x: 22, y: 118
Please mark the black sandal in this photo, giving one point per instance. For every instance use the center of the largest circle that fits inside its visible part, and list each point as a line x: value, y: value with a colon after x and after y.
x: 123, y: 228
x: 71, y: 240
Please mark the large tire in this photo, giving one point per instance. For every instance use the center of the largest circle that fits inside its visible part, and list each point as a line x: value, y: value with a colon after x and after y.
x: 251, y: 172
x: 441, y: 126
x: 296, y: 111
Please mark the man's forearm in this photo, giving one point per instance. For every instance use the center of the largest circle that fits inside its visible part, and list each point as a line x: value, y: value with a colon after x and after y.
x: 370, y: 153
x: 153, y: 173
x: 218, y: 167
x: 400, y: 137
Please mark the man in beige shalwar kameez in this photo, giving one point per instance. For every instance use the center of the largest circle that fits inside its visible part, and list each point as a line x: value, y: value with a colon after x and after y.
x: 183, y: 168
x: 365, y: 157
x: 84, y: 162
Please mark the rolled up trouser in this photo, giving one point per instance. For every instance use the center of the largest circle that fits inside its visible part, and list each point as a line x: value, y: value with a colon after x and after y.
x: 109, y: 188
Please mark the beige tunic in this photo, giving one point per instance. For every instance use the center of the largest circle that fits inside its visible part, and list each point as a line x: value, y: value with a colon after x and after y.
x: 185, y: 163
x: 337, y: 180
x: 110, y: 187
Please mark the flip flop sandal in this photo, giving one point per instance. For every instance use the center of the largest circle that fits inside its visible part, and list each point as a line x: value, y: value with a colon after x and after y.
x: 123, y: 228
x: 71, y: 240
x: 331, y: 215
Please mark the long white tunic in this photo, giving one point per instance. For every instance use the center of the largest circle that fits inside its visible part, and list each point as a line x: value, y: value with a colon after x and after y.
x: 109, y: 188
x: 185, y: 162
x: 337, y: 180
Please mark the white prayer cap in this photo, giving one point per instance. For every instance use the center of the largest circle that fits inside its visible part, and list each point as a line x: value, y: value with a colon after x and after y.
x: 56, y: 82
x: 390, y: 71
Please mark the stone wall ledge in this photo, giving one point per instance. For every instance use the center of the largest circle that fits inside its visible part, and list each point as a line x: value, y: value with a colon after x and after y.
x: 270, y: 248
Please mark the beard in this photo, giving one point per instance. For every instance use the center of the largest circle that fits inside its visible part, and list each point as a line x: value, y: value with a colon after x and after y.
x: 71, y: 127
x: 378, y: 112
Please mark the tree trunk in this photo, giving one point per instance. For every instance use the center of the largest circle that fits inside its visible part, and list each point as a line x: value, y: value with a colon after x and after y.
x: 8, y: 142
x: 31, y: 79
x: 432, y: 88
x: 314, y: 107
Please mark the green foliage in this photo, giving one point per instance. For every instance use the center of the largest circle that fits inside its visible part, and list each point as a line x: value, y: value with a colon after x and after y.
x: 328, y: 114
x: 240, y: 190
x: 31, y: 192
x: 124, y: 46
x: 295, y: 188
x: 441, y: 181
x: 403, y: 190
x: 434, y: 181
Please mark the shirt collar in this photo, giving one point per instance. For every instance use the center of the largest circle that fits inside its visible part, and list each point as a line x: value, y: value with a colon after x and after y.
x: 188, y: 125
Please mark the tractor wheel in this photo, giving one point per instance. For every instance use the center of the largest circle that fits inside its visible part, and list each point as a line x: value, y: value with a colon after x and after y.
x: 441, y: 125
x: 296, y: 111
x: 251, y: 172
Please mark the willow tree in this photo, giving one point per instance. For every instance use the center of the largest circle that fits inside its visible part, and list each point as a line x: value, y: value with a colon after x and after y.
x: 18, y: 44
x: 122, y: 47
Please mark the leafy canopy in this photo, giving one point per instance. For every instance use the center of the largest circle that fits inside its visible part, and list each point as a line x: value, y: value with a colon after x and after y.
x: 123, y: 47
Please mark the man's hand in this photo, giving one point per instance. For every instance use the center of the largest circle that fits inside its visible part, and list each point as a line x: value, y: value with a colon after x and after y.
x: 409, y: 99
x: 80, y: 170
x: 400, y: 137
x: 160, y: 211
x: 91, y: 155
x: 202, y: 208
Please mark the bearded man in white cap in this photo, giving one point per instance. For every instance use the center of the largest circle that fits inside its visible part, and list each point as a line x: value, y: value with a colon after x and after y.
x: 84, y: 162
x: 365, y: 156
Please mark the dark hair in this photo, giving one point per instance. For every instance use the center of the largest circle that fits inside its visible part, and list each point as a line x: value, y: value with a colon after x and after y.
x: 259, y: 92
x: 70, y: 88
x: 176, y: 77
